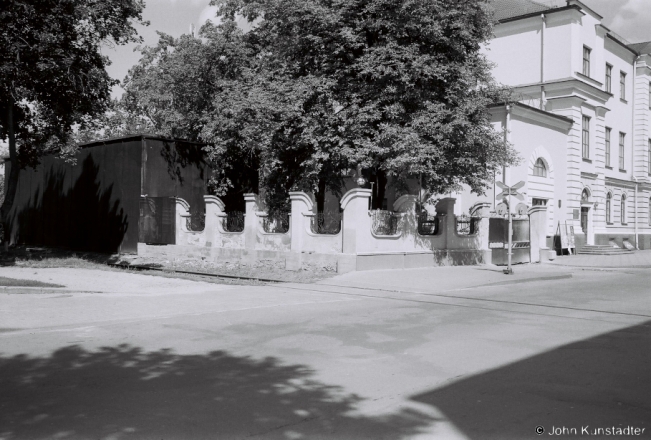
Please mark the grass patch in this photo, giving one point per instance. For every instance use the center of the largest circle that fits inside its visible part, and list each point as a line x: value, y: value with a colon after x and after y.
x: 15, y: 282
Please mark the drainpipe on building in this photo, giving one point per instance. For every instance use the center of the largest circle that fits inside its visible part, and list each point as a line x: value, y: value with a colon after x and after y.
x: 542, y: 62
x: 633, y: 148
x: 635, y: 212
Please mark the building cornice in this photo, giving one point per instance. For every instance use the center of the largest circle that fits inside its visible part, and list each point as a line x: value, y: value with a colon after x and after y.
x: 567, y: 87
x: 525, y: 111
x: 621, y: 43
x: 585, y: 8
x: 620, y: 183
x: 538, y: 14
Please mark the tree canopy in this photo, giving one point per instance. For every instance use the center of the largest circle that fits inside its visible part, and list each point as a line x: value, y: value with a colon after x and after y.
x: 319, y: 88
x: 52, y: 72
x: 398, y: 86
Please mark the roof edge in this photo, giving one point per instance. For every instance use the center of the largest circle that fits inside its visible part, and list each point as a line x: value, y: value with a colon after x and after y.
x: 536, y: 110
x: 537, y: 14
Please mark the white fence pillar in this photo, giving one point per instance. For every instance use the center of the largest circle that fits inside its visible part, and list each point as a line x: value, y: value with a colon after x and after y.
x: 214, y: 212
x: 302, y: 204
x: 251, y: 222
x: 182, y: 212
x: 356, y: 226
x: 538, y: 233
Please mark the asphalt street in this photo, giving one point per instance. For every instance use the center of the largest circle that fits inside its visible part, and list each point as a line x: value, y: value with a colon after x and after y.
x: 447, y: 353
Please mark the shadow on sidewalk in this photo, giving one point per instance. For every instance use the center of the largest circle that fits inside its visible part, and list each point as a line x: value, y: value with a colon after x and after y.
x: 123, y: 392
x: 599, y: 382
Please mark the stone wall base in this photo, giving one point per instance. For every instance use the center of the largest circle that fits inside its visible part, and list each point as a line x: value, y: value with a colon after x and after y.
x: 343, y: 262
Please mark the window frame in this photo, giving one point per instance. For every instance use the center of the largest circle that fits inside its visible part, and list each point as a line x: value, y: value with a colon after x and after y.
x: 586, y: 60
x: 609, y: 78
x: 622, y: 85
x: 622, y: 146
x: 609, y: 198
x: 585, y: 137
x: 608, y: 132
x: 622, y: 210
x: 537, y: 169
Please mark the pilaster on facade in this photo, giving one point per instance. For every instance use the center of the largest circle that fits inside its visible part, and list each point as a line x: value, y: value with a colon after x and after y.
x: 642, y: 122
x: 599, y: 160
x: 570, y: 107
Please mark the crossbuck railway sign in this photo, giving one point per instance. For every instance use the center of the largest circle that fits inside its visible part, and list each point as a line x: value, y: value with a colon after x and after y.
x: 507, y: 192
x: 510, y: 190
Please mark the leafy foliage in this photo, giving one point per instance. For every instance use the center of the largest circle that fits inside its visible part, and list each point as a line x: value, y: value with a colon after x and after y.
x: 52, y: 74
x: 397, y: 86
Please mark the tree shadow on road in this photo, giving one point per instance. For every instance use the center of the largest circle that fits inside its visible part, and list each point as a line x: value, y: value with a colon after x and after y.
x: 598, y: 382
x: 124, y: 392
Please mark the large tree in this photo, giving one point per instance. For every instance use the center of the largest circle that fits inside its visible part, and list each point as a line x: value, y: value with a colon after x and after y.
x: 181, y: 84
x: 397, y: 87
x: 52, y: 74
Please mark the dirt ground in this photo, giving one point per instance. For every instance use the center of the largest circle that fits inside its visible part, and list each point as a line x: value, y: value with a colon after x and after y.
x: 38, y: 257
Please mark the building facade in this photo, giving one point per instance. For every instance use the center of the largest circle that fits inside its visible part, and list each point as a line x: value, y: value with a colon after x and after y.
x: 582, y: 125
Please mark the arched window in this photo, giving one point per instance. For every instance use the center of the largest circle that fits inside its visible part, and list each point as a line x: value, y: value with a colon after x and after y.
x: 585, y: 196
x: 608, y: 207
x: 539, y: 168
x: 623, y: 210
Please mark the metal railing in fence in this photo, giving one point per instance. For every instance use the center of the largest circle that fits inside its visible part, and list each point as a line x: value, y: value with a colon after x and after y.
x: 326, y: 223
x: 384, y: 222
x: 428, y: 224
x: 196, y: 222
x: 277, y: 223
x: 467, y: 225
x: 233, y: 221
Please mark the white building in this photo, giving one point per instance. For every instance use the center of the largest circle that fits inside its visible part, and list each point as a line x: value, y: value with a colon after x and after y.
x: 583, y: 123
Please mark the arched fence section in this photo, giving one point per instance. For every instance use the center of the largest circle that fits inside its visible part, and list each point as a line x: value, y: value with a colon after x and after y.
x: 355, y: 238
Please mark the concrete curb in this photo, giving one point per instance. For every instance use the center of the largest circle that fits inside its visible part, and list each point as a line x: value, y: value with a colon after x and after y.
x: 499, y: 283
x: 43, y: 290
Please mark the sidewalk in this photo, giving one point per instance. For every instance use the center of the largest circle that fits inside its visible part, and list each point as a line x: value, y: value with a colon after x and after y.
x: 446, y: 278
x: 637, y: 259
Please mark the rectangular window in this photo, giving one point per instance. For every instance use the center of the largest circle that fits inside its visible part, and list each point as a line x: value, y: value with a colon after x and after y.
x: 607, y: 146
x: 586, y: 61
x: 609, y: 78
x: 622, y: 138
x: 648, y: 157
x: 622, y: 86
x: 538, y: 202
x: 586, y: 137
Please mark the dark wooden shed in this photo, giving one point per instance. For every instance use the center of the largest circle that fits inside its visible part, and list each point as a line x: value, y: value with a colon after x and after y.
x: 101, y: 202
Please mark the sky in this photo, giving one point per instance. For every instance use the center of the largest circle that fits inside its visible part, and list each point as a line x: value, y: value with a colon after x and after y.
x: 173, y: 17
x: 629, y: 18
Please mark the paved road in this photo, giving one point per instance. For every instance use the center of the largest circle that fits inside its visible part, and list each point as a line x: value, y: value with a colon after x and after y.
x: 444, y: 353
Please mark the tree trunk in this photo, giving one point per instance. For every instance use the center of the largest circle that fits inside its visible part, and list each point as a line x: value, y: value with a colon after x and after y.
x: 379, y: 189
x: 14, y: 172
x: 320, y: 196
